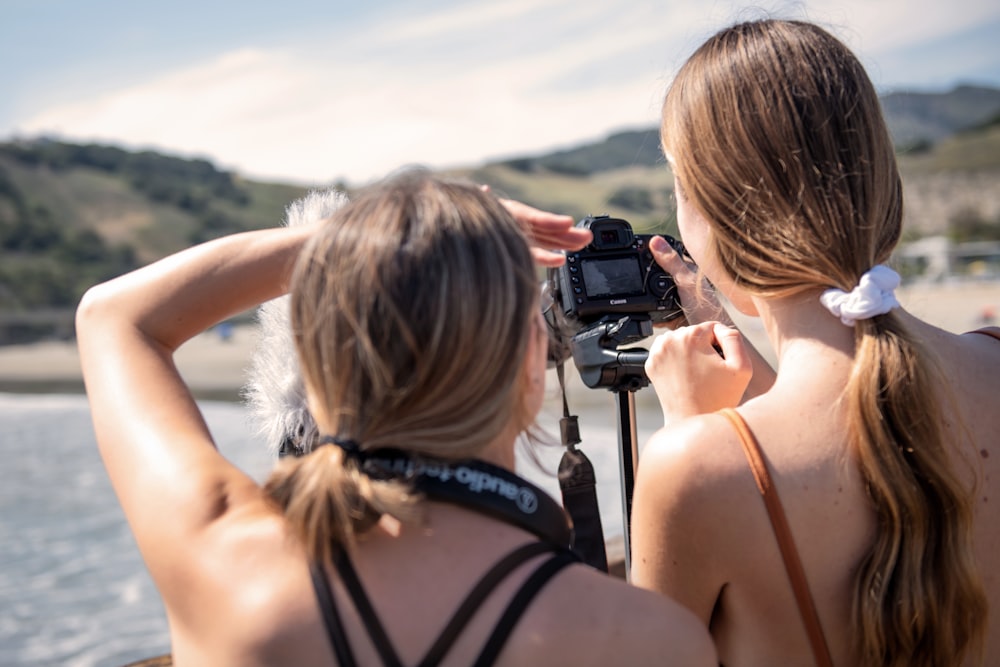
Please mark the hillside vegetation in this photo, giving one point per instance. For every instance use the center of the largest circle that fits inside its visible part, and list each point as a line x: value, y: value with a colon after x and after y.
x: 72, y: 215
x: 948, y: 149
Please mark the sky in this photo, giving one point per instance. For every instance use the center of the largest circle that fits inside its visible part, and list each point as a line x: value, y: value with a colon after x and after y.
x: 313, y: 92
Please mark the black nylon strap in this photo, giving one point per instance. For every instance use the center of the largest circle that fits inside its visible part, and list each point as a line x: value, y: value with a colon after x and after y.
x: 568, y: 438
x: 367, y: 613
x: 486, y: 585
x: 519, y: 603
x: 477, y: 485
x: 331, y: 619
x: 462, y: 616
x: 578, y: 484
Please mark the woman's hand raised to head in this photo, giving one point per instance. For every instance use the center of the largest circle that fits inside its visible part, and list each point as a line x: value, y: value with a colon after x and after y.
x: 550, y: 233
x: 698, y: 369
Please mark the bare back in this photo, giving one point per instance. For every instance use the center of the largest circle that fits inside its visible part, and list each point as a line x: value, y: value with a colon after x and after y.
x: 711, y: 546
x: 252, y: 603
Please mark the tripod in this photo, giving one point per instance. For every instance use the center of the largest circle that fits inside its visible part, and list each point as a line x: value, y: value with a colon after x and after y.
x: 602, y: 364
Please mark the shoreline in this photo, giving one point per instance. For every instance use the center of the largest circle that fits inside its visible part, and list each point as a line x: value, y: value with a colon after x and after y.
x: 216, y: 367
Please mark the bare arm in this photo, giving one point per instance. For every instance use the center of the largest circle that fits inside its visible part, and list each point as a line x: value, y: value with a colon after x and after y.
x: 169, y: 477
x: 675, y: 520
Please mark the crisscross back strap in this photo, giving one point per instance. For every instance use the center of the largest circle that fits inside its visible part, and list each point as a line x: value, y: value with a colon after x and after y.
x: 331, y: 618
x: 458, y: 621
x: 475, y: 598
x: 520, y: 602
x: 365, y: 609
x: 786, y: 544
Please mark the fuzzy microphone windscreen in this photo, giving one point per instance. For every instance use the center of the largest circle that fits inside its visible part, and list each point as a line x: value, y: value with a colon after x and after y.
x: 275, y: 391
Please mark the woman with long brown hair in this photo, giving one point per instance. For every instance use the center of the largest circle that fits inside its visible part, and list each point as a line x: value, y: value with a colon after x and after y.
x: 400, y: 533
x: 876, y: 538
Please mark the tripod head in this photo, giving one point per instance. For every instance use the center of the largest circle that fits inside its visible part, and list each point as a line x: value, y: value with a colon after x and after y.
x: 601, y: 363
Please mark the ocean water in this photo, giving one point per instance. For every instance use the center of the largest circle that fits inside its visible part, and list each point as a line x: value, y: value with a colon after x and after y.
x: 73, y: 588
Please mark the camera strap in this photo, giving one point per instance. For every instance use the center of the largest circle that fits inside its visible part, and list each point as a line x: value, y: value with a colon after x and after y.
x: 578, y: 484
x: 478, y: 485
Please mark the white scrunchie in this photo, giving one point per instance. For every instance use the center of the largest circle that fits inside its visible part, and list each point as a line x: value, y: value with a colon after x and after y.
x: 873, y: 296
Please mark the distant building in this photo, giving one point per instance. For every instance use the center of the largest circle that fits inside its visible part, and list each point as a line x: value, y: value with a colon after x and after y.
x: 937, y: 258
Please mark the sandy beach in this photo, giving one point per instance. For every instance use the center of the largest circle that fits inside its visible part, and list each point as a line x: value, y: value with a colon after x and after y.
x: 215, y: 367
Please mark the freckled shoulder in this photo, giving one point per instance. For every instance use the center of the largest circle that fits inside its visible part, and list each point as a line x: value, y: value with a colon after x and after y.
x: 702, y: 452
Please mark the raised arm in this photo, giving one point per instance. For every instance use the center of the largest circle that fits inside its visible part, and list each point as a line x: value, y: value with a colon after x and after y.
x: 169, y: 477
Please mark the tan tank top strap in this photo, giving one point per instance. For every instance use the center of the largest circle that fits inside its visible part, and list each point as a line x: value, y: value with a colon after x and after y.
x: 779, y: 523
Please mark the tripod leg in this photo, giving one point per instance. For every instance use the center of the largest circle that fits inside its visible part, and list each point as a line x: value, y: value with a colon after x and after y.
x: 628, y: 457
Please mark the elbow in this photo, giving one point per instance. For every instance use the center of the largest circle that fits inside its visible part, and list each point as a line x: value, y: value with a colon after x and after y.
x: 92, y: 309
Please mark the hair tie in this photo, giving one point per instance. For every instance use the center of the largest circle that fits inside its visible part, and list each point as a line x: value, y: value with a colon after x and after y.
x: 873, y: 296
x: 351, y: 448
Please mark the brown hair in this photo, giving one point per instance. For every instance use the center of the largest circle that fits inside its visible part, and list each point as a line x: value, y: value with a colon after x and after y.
x: 780, y: 144
x: 410, y: 309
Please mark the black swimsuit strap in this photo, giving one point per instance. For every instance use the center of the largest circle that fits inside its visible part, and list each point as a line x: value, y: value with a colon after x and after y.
x: 520, y: 602
x: 461, y: 617
x: 331, y: 619
x: 475, y: 598
x: 365, y: 609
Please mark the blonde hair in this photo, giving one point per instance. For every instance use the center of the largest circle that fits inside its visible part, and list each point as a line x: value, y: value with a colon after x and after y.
x: 780, y: 144
x: 411, y: 309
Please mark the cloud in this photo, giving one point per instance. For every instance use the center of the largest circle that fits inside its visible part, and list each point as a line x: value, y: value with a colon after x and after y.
x: 451, y: 87
x: 364, y: 108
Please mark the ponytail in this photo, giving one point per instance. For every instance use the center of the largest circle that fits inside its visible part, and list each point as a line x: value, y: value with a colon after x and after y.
x: 327, y: 500
x: 919, y: 598
x: 780, y: 145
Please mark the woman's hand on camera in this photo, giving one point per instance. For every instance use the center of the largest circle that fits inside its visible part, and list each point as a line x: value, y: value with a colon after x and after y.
x: 698, y: 369
x: 550, y: 233
x: 700, y: 305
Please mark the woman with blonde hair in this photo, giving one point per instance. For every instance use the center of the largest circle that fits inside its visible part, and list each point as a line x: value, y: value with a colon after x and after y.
x: 846, y: 514
x: 400, y: 533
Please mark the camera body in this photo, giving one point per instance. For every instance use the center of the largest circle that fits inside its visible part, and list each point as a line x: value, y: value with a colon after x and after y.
x: 616, y: 275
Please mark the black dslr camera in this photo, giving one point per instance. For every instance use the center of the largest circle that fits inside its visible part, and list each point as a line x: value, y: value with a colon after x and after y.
x: 616, y: 275
x: 607, y: 295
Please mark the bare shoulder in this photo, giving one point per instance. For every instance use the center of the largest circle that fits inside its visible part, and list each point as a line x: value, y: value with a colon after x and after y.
x: 616, y: 623
x: 245, y: 591
x: 698, y: 459
x: 975, y: 350
x: 247, y: 553
x: 981, y: 345
x: 693, y: 500
x: 970, y: 369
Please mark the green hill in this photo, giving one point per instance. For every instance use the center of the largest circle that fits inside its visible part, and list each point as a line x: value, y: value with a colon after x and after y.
x: 72, y: 215
x: 954, y: 132
x: 916, y: 117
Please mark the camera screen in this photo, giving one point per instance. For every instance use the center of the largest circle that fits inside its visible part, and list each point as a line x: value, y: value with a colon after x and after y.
x: 620, y: 276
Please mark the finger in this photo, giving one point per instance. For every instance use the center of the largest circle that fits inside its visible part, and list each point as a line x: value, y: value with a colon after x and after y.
x: 536, y: 217
x: 573, y: 238
x: 734, y: 351
x: 550, y: 234
x: 548, y: 258
x: 546, y: 229
x: 656, y: 349
x: 666, y: 256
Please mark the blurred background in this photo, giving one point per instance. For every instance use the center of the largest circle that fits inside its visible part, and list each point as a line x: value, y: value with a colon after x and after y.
x: 131, y: 130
